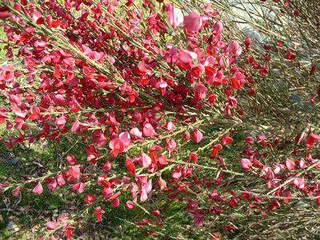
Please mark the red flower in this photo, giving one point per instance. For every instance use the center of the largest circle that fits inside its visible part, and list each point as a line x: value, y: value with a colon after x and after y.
x: 200, y: 91
x: 4, y: 12
x: 311, y: 139
x: 99, y: 211
x: 226, y: 140
x: 89, y: 198
x: 197, y: 136
x: 248, y: 42
x: 130, y: 166
x: 215, y: 150
x: 290, y: 55
x: 237, y: 80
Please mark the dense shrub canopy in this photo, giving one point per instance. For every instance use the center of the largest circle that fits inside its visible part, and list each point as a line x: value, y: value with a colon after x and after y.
x: 160, y: 119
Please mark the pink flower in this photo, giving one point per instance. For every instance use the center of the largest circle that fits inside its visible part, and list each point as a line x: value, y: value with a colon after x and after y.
x: 215, y: 150
x: 16, y: 192
x: 290, y: 55
x: 116, y: 146
x: 234, y: 49
x: 120, y: 144
x: 145, y: 190
x: 162, y: 183
x: 125, y: 139
x: 246, y: 164
x: 176, y: 175
x: 60, y: 180
x: 52, y: 184
x: 146, y: 160
x: 186, y: 56
x: 79, y: 187
x: 163, y: 160
x: 218, y: 27
x: 52, y: 225
x: 171, y: 145
x: 38, y: 189
x: 61, y: 121
x: 175, y: 16
x: 148, y: 130
x: 71, y: 159
x: 136, y: 132
x: 248, y: 42
x: 290, y: 164
x: 130, y: 204
x: 302, y: 163
x: 192, y: 22
x: 74, y: 171
x: 299, y: 182
x: 170, y: 127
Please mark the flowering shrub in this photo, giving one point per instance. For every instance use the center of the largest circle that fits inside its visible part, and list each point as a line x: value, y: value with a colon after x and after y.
x: 160, y: 115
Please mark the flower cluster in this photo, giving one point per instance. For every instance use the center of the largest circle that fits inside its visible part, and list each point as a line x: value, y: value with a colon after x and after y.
x: 155, y: 98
